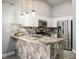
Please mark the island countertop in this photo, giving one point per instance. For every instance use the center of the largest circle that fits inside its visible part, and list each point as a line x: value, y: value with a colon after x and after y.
x: 38, y: 40
x: 30, y: 47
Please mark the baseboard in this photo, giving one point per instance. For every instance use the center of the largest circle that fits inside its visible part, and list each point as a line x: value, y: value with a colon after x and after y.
x: 74, y: 51
x: 8, y: 54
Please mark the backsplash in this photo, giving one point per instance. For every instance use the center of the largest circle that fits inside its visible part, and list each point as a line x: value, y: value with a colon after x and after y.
x: 40, y: 30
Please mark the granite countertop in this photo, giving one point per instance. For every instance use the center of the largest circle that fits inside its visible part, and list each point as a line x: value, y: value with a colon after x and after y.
x: 38, y: 40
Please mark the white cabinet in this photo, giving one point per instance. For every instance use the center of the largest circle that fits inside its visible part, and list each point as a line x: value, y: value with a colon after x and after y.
x: 54, y: 22
x: 30, y: 20
x: 49, y: 23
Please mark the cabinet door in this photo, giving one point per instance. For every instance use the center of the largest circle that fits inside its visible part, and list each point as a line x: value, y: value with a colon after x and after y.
x: 30, y: 20
x: 27, y: 21
x: 54, y: 22
x: 49, y: 23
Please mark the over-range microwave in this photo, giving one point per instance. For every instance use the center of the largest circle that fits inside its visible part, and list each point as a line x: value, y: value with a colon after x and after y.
x: 42, y: 23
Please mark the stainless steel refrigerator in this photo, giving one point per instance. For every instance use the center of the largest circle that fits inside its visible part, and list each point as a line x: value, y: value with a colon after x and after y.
x: 64, y: 29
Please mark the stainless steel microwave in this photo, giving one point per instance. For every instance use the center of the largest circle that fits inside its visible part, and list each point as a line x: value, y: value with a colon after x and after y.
x: 42, y: 23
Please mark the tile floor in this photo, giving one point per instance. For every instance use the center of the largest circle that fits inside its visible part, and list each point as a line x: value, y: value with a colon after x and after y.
x: 67, y: 55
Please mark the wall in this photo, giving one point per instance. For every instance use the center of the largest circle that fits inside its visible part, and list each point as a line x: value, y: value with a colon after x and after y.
x: 7, y: 17
x: 42, y: 7
x: 74, y: 25
x: 11, y: 13
x: 62, y: 9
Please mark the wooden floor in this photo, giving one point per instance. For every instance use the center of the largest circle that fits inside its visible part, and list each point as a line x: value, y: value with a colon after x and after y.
x: 67, y: 55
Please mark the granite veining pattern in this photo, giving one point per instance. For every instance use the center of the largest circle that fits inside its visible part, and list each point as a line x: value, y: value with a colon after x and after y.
x: 30, y: 50
x: 57, y: 50
x: 49, y: 50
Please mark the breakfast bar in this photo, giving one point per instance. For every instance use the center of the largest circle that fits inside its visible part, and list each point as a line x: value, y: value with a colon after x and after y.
x: 29, y: 47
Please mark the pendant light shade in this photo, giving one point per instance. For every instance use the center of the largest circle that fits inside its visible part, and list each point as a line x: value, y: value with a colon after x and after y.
x: 33, y: 11
x: 26, y: 12
x: 21, y: 14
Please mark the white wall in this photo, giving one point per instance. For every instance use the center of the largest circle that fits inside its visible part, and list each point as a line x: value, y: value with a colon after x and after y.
x: 62, y: 9
x: 7, y: 17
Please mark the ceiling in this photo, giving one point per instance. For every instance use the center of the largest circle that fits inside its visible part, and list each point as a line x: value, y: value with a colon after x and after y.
x: 55, y: 2
x: 51, y: 2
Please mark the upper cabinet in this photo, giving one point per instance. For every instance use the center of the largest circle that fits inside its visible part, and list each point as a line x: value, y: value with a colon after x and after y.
x: 32, y: 21
x: 49, y: 22
x: 54, y: 22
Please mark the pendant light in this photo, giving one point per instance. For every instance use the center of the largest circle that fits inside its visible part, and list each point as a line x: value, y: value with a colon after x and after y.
x: 26, y: 7
x: 21, y: 8
x: 33, y: 11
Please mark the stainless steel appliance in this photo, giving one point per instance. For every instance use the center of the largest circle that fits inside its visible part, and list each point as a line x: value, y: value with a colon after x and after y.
x: 65, y: 31
x: 42, y: 23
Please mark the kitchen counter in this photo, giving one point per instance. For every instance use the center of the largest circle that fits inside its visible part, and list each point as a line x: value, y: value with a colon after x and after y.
x: 30, y: 47
x: 38, y: 40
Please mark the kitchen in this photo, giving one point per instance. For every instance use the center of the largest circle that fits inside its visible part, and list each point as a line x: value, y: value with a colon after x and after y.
x: 38, y: 21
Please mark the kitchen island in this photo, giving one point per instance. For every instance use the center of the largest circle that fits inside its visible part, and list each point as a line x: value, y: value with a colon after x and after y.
x: 29, y: 47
